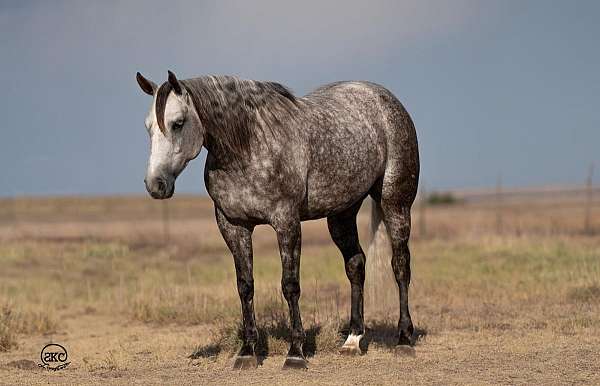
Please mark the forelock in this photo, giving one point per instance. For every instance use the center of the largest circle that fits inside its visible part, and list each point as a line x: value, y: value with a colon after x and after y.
x: 161, y: 103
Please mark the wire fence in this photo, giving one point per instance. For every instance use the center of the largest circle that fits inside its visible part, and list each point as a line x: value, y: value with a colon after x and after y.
x: 512, y: 210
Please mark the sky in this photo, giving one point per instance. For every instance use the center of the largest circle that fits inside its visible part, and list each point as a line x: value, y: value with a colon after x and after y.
x: 507, y: 88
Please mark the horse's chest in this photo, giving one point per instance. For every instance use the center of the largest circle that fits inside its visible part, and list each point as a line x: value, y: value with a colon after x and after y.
x: 237, y: 200
x: 250, y: 196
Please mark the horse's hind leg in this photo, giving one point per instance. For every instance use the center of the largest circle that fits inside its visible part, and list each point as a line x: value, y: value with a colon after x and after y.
x: 342, y: 228
x: 396, y: 216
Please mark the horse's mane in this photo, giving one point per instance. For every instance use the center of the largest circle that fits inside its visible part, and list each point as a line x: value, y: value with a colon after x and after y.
x: 234, y: 110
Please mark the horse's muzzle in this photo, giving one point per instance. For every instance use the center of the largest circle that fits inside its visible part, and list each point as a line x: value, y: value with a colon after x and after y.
x: 160, y: 188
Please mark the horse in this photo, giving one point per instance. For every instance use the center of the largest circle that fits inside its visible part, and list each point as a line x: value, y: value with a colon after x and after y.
x: 278, y: 159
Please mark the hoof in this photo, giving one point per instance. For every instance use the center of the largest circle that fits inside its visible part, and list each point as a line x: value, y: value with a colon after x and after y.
x: 350, y: 350
x: 295, y: 363
x: 245, y: 362
x: 407, y: 351
x: 352, y: 345
x: 405, y: 340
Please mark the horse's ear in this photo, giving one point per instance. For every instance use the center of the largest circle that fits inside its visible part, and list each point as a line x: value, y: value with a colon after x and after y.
x: 174, y: 83
x: 148, y: 86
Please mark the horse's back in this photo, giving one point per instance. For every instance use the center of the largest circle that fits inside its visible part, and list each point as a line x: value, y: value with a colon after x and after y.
x: 371, y: 104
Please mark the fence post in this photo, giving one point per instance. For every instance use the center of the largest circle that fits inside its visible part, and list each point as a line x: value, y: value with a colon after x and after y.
x: 587, y: 225
x: 499, y: 221
x: 11, y: 210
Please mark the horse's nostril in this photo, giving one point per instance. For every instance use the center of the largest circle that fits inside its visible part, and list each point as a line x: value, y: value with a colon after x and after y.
x: 162, y: 186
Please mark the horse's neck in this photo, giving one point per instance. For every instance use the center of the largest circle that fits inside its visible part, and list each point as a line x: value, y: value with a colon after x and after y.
x: 220, y: 156
x: 234, y: 131
x: 263, y: 146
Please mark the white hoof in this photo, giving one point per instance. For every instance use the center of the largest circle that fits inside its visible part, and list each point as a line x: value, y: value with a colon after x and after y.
x: 352, y: 345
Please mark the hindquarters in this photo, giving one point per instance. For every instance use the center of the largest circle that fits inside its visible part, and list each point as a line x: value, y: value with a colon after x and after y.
x: 365, y: 124
x: 400, y: 179
x: 394, y: 195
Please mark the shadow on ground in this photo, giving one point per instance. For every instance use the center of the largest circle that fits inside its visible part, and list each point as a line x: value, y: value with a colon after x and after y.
x: 329, y: 338
x: 385, y: 334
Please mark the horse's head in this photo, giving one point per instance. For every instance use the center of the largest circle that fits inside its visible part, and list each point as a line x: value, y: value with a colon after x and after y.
x: 176, y: 134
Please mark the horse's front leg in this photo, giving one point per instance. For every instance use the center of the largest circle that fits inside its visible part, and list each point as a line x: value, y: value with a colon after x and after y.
x: 239, y: 240
x: 289, y: 239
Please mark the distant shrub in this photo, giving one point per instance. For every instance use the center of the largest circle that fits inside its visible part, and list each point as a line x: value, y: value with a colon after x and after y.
x: 586, y: 294
x: 441, y: 198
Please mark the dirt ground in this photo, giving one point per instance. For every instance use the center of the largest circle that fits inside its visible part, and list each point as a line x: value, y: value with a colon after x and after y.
x: 158, y: 355
x: 132, y: 298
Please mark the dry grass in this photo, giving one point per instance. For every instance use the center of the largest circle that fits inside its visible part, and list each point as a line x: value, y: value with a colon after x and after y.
x: 15, y: 321
x: 97, y: 276
x: 8, y: 338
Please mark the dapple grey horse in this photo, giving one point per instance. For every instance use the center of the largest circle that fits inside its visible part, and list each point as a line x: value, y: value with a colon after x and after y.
x: 277, y: 159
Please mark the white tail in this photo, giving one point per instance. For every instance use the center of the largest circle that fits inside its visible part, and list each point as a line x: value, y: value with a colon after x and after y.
x: 381, y: 290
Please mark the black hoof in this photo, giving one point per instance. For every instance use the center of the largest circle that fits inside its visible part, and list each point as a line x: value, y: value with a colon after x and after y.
x: 295, y: 363
x: 405, y: 341
x: 404, y: 350
x: 245, y: 362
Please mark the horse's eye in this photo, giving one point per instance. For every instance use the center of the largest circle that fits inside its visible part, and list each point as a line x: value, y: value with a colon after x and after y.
x: 178, y: 125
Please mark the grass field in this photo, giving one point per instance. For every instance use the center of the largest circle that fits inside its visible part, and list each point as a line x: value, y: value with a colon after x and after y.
x: 141, y: 291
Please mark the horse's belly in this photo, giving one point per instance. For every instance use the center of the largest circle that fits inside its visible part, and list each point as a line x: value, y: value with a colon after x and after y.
x: 331, y: 200
x: 337, y: 181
